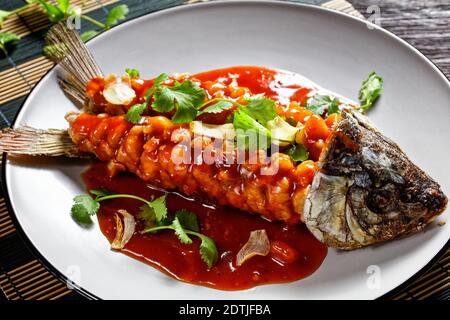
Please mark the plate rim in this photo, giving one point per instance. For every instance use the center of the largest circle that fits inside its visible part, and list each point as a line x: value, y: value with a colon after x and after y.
x: 85, y: 293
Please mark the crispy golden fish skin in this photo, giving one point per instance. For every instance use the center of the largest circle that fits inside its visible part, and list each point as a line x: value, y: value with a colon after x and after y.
x: 367, y: 190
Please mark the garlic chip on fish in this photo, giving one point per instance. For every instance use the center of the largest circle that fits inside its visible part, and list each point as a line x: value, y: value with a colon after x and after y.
x: 124, y: 230
x: 257, y: 244
x: 118, y: 90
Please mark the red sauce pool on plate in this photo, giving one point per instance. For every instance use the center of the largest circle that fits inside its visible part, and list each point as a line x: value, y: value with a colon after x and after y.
x: 295, y: 253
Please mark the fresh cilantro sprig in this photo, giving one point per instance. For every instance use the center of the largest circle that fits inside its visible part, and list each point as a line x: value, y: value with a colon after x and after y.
x: 7, y: 38
x: 216, y: 106
x: 154, y: 214
x: 4, y: 15
x: 57, y: 12
x: 132, y: 72
x: 258, y: 121
x: 188, y: 219
x: 249, y: 130
x: 7, y: 14
x: 370, y: 90
x: 188, y: 101
x: 62, y: 10
x: 156, y: 84
x: 319, y: 104
x: 186, y: 98
x: 261, y: 109
x: 115, y: 15
x: 185, y: 224
x: 135, y: 112
x: 88, y: 35
x: 85, y: 206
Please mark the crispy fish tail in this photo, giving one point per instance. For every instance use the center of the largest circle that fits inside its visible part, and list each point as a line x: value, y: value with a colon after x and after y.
x: 37, y: 142
x: 367, y: 190
x: 66, y: 48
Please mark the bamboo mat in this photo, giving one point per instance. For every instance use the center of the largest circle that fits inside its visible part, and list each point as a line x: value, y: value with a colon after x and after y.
x: 22, y: 275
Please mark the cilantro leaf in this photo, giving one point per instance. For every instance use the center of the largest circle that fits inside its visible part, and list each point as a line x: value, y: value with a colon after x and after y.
x: 298, y: 152
x: 208, y: 250
x: 135, y: 112
x: 7, y: 38
x: 370, y: 90
x: 101, y: 192
x: 259, y: 119
x: 88, y: 35
x: 164, y: 222
x: 152, y: 211
x: 156, y: 83
x: 73, y: 11
x: 249, y: 131
x: 54, y: 13
x: 185, y: 97
x: 180, y: 231
x: 159, y: 207
x: 321, y: 103
x: 132, y: 72
x: 184, y: 223
x: 147, y: 215
x: 185, y: 93
x: 63, y: 5
x: 164, y: 100
x: 242, y: 120
x: 4, y: 15
x: 84, y: 207
x: 217, y: 107
x: 262, y: 109
x: 333, y: 108
x: 116, y: 14
x: 185, y: 114
x: 155, y: 217
x: 251, y: 122
x: 188, y: 219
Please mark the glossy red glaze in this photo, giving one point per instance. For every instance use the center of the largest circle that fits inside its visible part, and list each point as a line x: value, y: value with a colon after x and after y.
x: 295, y: 253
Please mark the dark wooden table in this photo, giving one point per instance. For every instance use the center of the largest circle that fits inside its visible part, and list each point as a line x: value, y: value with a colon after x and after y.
x: 426, y: 25
x: 423, y: 23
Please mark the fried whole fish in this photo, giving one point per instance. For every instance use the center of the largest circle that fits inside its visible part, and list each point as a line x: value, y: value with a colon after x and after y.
x: 363, y: 191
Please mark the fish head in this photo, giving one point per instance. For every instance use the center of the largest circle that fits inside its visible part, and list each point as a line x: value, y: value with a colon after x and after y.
x: 367, y: 190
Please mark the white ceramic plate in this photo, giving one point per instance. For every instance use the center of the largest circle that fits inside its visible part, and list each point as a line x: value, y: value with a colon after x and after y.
x: 333, y: 49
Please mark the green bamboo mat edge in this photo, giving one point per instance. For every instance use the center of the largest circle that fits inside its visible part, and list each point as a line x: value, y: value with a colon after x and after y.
x: 22, y: 276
